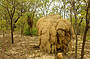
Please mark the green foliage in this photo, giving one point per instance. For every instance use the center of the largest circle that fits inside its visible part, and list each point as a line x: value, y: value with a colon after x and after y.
x: 3, y: 24
x: 21, y: 22
x: 88, y: 35
x: 0, y: 24
x: 28, y: 14
x: 36, y: 9
x: 34, y: 31
x: 88, y: 38
x: 26, y: 30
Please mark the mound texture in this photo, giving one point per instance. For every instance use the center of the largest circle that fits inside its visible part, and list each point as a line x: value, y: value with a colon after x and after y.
x: 54, y: 34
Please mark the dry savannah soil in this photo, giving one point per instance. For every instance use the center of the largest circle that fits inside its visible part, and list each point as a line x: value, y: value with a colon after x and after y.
x: 26, y: 48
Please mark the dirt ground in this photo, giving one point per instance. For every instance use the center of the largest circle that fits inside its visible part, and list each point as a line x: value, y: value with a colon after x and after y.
x: 23, y: 48
x: 26, y: 48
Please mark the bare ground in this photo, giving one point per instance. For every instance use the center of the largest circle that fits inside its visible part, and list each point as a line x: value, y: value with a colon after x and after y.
x: 24, y: 48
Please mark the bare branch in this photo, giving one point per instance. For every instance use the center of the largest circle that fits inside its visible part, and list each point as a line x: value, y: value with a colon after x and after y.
x: 17, y: 19
x: 9, y: 13
x: 13, y: 11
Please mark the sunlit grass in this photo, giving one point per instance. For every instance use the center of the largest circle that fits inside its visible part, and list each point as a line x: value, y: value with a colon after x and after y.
x: 88, y: 37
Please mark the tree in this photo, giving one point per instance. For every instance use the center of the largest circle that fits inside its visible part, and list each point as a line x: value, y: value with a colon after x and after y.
x: 75, y: 14
x: 3, y: 26
x: 20, y: 24
x: 86, y: 27
x: 45, y: 7
x: 4, y: 20
x: 64, y: 2
x: 31, y: 13
x: 11, y: 6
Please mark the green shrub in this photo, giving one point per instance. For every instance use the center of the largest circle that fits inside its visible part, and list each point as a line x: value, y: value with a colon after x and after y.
x: 26, y: 30
x: 34, y: 31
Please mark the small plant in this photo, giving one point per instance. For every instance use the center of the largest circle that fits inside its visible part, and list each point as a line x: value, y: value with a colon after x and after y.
x: 26, y: 30
x: 34, y: 31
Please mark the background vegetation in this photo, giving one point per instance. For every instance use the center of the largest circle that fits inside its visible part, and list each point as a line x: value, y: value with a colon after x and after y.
x: 21, y: 16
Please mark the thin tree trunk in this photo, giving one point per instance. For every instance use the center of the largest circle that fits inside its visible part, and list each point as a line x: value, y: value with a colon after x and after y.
x: 64, y: 9
x: 86, y: 29
x: 83, y: 44
x: 22, y: 31
x: 76, y: 47
x: 79, y: 27
x: 1, y: 30
x: 29, y: 29
x: 76, y: 35
x: 71, y: 28
x: 71, y: 21
x: 71, y: 15
x: 12, y: 32
x: 75, y: 13
x: 3, y: 33
x: 75, y: 26
x: 6, y: 22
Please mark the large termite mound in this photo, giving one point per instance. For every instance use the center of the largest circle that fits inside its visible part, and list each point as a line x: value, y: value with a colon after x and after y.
x: 54, y: 34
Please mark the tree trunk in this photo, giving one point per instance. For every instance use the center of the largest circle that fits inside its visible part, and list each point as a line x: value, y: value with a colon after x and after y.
x: 29, y: 29
x: 83, y: 44
x: 22, y: 30
x: 6, y: 22
x: 79, y: 27
x: 86, y: 29
x: 75, y: 27
x: 71, y: 37
x: 64, y: 8
x: 3, y: 33
x: 12, y: 32
x: 76, y: 47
